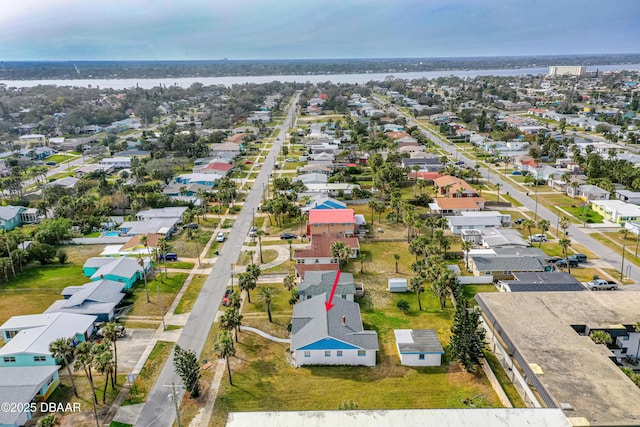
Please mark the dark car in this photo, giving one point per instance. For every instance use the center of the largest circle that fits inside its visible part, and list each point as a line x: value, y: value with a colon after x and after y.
x: 554, y: 259
x: 459, y: 163
x: 51, y: 164
x: 580, y: 257
x: 225, y: 299
x: 287, y: 236
x: 571, y: 262
x: 169, y: 256
x: 519, y: 221
x: 193, y: 226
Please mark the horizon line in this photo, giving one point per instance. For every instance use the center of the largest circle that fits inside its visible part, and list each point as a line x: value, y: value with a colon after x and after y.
x: 571, y: 55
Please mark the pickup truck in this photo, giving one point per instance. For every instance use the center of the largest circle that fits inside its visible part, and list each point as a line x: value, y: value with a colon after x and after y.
x: 601, y: 284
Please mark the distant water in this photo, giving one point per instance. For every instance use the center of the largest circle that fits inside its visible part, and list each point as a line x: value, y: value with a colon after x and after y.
x: 335, y: 78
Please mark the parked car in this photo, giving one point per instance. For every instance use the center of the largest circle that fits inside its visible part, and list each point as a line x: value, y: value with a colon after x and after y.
x: 601, y: 285
x: 538, y: 238
x: 253, y: 232
x: 193, y: 226
x: 564, y: 262
x: 169, y: 256
x: 51, y: 164
x: 287, y: 236
x: 221, y: 237
x: 225, y: 299
x: 516, y: 173
x: 581, y: 257
x: 459, y: 163
x: 121, y: 332
x: 290, y: 160
x: 518, y: 221
x: 554, y: 259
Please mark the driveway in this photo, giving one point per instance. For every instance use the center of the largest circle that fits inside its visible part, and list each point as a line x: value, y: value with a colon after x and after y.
x: 131, y: 347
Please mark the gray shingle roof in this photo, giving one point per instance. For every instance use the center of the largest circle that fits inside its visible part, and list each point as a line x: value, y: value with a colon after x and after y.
x: 311, y: 322
x: 418, y: 341
x: 123, y: 267
x: 98, y: 291
x: 508, y: 263
x: 20, y: 385
x: 8, y: 212
x: 319, y: 282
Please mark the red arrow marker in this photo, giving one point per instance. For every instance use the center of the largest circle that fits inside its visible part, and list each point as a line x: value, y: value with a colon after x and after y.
x: 329, y: 305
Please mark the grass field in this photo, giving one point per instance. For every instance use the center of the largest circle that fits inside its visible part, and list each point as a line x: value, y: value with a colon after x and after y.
x: 149, y: 373
x: 579, y: 212
x: 160, y: 292
x: 189, y: 297
x: 60, y: 158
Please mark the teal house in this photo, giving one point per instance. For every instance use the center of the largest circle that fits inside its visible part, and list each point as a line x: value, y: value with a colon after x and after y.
x: 28, y: 337
x: 10, y: 217
x: 23, y: 385
x: 123, y: 269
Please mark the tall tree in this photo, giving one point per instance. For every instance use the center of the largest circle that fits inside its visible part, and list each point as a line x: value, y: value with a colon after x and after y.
x: 265, y: 295
x: 529, y: 224
x: 103, y: 363
x: 564, y: 243
x: 246, y: 283
x: 467, y: 339
x: 259, y: 234
x: 225, y: 349
x: 417, y: 286
x: 396, y: 257
x: 63, y: 350
x: 341, y: 251
x: 543, y: 225
x: 111, y: 332
x: 231, y: 320
x: 466, y: 247
x: 188, y: 368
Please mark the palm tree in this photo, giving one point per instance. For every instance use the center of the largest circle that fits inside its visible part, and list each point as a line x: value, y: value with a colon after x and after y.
x: 341, y: 251
x: 543, y: 225
x: 265, y: 295
x: 564, y: 244
x: 529, y: 224
x: 110, y: 331
x: 361, y: 258
x: 290, y: 242
x: 103, y: 363
x: 5, y: 239
x: 162, y: 244
x: 439, y: 289
x: 289, y: 281
x: 84, y: 361
x: 246, y: 283
x: 231, y: 320
x: 225, y: 349
x: 63, y: 350
x: 498, y: 185
x: 417, y: 286
x: 396, y: 257
x: 259, y: 235
x: 466, y: 247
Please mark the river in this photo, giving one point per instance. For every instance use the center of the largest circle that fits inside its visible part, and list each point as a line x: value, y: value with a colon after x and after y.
x: 360, y: 78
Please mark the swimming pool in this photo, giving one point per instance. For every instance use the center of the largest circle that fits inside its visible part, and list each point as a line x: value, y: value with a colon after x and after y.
x: 111, y: 234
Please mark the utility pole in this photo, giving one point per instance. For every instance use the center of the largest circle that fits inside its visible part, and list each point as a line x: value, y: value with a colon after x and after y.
x: 622, y: 266
x: 164, y: 327
x: 174, y: 397
x: 637, y: 241
x: 231, y: 277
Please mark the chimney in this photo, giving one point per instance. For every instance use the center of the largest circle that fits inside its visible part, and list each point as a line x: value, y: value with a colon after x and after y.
x: 344, y: 320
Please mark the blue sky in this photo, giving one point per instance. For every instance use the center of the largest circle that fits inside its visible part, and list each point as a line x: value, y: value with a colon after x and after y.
x: 282, y: 29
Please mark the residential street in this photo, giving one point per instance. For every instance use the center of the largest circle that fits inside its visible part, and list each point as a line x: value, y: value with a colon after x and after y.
x: 159, y: 410
x: 575, y: 232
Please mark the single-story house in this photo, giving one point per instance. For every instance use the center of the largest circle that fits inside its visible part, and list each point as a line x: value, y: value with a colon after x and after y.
x: 456, y: 205
x: 541, y: 282
x: 502, y: 238
x: 503, y: 267
x: 124, y: 270
x: 66, y: 182
x: 21, y: 385
x: 10, y: 217
x: 169, y: 212
x: 28, y: 337
x: 418, y: 347
x: 334, y: 221
x: 90, y: 168
x: 588, y: 192
x: 397, y: 285
x: 331, y: 188
x: 331, y: 337
x: 208, y: 179
x: 116, y: 162
x: 321, y: 283
x: 632, y: 197
x: 312, y: 178
x: 217, y: 167
x: 303, y: 269
x: 459, y: 223
x: 225, y: 149
x: 163, y: 226
x: 175, y: 190
x: 616, y: 210
x: 451, y: 186
x: 99, y: 298
x: 423, y: 175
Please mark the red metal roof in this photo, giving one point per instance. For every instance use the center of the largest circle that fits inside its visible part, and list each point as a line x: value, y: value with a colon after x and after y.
x: 219, y: 166
x: 332, y: 216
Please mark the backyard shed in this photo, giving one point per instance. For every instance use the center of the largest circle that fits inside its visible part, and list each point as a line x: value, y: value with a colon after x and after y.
x: 397, y: 285
x: 418, y: 347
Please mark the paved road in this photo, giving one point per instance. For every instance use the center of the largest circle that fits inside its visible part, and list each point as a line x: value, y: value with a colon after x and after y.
x: 158, y: 410
x: 575, y: 232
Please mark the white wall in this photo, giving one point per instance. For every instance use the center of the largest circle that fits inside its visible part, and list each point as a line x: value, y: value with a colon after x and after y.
x: 414, y: 360
x: 349, y: 357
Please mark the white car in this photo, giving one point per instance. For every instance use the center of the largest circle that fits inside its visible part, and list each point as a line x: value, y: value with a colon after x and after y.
x: 221, y: 237
x: 538, y: 238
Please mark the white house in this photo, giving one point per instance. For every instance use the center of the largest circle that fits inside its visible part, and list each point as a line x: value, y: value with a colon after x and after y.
x: 418, y: 347
x: 116, y: 162
x: 323, y: 335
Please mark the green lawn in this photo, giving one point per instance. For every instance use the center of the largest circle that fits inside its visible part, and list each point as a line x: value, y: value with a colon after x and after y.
x: 148, y: 374
x: 47, y: 277
x: 503, y: 379
x: 165, y: 290
x: 59, y: 158
x: 189, y: 297
x: 579, y: 212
